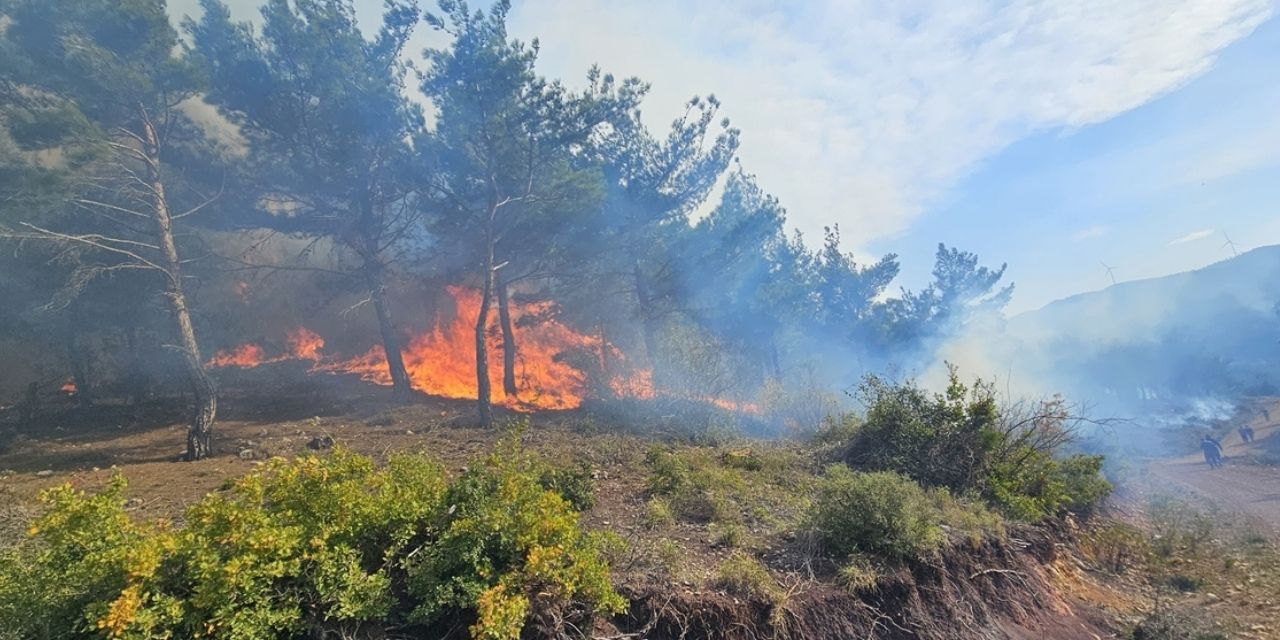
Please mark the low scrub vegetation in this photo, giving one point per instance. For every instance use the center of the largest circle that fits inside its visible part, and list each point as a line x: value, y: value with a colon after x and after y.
x: 765, y: 488
x: 890, y: 515
x: 744, y: 576
x: 963, y: 440
x: 314, y: 547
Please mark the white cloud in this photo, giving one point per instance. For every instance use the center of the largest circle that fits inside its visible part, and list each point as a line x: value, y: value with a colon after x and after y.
x: 866, y: 112
x: 1096, y: 231
x: 1192, y: 237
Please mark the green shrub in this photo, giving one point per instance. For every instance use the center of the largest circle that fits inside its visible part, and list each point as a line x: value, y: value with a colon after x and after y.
x: 837, y: 430
x: 505, y: 538
x: 945, y: 439
x: 744, y: 576
x: 575, y: 483
x: 58, y: 589
x: 312, y: 546
x: 966, y: 518
x: 880, y: 512
x: 668, y: 556
x: 697, y: 489
x: 1039, y: 485
x: 657, y: 513
x: 963, y: 440
x: 731, y: 535
x: 765, y: 487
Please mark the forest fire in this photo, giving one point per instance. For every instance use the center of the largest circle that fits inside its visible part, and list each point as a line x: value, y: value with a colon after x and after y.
x: 441, y: 361
x: 245, y: 356
x: 302, y: 343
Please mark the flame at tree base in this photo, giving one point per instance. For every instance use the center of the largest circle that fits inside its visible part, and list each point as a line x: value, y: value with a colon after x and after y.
x: 441, y: 362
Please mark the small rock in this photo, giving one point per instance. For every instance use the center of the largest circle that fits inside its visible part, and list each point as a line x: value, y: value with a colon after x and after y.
x: 320, y: 442
x: 44, y: 474
x: 246, y: 454
x: 408, y: 432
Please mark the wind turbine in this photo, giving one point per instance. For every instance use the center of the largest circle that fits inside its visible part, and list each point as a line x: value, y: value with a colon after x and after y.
x: 1111, y: 271
x: 1229, y: 243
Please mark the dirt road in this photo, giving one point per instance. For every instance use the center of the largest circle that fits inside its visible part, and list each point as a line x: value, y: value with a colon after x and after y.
x: 1250, y: 490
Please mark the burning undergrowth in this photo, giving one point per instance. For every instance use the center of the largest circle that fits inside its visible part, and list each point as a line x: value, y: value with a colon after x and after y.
x: 556, y: 367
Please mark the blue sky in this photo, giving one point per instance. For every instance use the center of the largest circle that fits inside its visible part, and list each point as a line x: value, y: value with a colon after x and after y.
x: 1149, y: 192
x: 1049, y: 134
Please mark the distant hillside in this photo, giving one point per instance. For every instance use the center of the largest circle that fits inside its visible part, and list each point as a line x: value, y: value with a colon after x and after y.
x: 1211, y: 332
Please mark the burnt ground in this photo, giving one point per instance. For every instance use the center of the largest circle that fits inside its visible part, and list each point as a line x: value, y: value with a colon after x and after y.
x: 1033, y: 587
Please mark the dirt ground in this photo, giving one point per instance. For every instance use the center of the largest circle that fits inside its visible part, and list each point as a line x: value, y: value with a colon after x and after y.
x: 1240, y: 567
x: 1250, y: 490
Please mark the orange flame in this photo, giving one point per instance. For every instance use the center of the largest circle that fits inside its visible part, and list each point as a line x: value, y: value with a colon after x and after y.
x: 245, y: 356
x: 303, y: 344
x: 68, y: 387
x: 637, y: 384
x: 441, y: 362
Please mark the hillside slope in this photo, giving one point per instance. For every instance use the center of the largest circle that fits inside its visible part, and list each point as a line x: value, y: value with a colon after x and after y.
x: 1211, y: 332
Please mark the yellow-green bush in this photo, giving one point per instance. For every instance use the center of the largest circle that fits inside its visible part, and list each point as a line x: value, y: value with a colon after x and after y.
x: 307, y: 547
x: 857, y: 574
x: 744, y: 576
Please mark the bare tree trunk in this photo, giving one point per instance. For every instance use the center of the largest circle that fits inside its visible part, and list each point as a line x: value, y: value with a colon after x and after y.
x: 369, y: 250
x: 205, y: 392
x: 79, y: 367
x: 648, y: 324
x: 401, y: 388
x: 604, y: 350
x: 137, y: 376
x: 31, y: 404
x: 508, y: 339
x: 483, y: 392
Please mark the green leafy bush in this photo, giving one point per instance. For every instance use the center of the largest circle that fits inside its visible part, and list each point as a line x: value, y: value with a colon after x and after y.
x: 506, y: 538
x: 879, y: 512
x: 965, y: 441
x: 58, y: 588
x: 311, y: 547
x: 574, y: 483
x: 1035, y: 485
x: 942, y: 439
